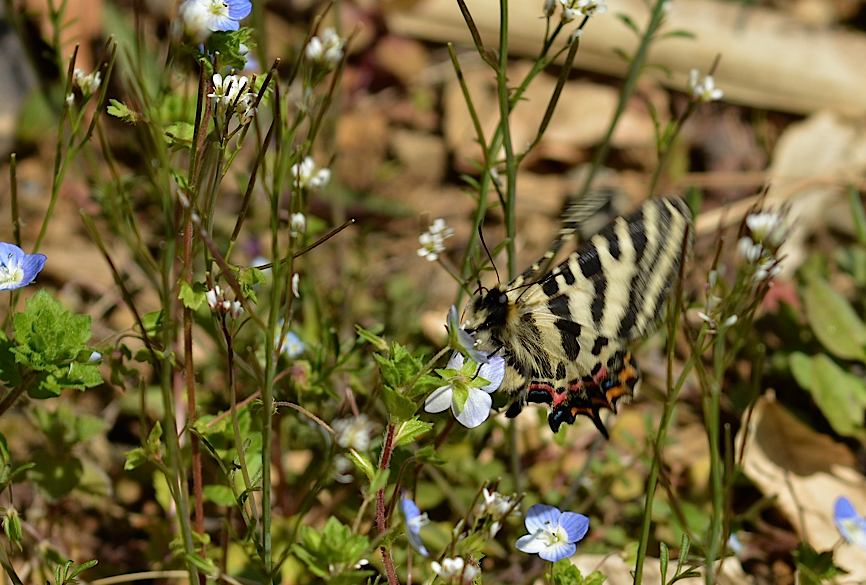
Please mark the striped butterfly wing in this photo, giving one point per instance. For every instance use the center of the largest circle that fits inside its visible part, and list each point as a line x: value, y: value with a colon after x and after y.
x: 607, y: 293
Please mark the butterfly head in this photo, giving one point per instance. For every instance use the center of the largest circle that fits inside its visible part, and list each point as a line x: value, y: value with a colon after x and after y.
x: 486, y: 315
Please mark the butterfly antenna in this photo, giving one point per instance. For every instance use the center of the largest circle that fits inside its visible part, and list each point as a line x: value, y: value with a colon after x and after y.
x: 486, y: 249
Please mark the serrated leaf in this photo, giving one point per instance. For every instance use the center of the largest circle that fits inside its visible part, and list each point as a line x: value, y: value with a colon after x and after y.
x: 840, y: 396
x: 192, y: 295
x: 120, y: 110
x: 363, y: 463
x: 135, y: 458
x: 835, y: 323
x: 410, y: 430
x: 399, y: 407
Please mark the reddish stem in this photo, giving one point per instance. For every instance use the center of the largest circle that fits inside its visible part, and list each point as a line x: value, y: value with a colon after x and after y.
x: 384, y: 461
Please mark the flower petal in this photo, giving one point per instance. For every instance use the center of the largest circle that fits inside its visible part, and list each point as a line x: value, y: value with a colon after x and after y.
x: 529, y: 543
x: 850, y: 524
x: 439, y: 400
x: 575, y: 525
x: 455, y: 362
x: 239, y: 9
x: 32, y: 265
x: 476, y: 410
x: 493, y: 371
x: 10, y: 250
x: 559, y: 551
x: 541, y: 517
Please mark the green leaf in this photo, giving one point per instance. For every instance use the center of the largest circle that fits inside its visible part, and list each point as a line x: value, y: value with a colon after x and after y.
x: 680, y: 34
x: 835, y: 323
x: 840, y: 396
x: 335, y: 545
x: 249, y: 279
x: 377, y: 342
x: 12, y: 526
x: 179, y: 134
x: 9, y: 370
x: 82, y: 567
x: 399, y: 407
x: 135, y: 458
x: 629, y: 22
x: 410, y: 430
x: 221, y: 495
x: 56, y: 477
x: 153, y: 438
x: 664, y: 557
x: 814, y: 568
x: 380, y: 480
x: 363, y: 463
x: 565, y: 573
x: 228, y: 45
x: 120, y: 110
x: 192, y: 295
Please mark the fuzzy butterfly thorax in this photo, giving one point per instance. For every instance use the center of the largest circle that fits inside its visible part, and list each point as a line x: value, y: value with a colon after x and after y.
x: 565, y: 333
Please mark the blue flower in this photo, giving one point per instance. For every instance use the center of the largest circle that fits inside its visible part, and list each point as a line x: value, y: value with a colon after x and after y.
x: 851, y: 525
x: 552, y: 533
x: 291, y: 344
x: 415, y: 520
x: 18, y: 269
x: 202, y: 17
x: 462, y: 340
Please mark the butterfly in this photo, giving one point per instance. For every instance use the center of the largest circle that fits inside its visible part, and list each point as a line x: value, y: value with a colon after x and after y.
x: 565, y: 333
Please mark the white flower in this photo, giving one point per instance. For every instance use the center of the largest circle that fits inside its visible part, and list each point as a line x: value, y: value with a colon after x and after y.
x: 214, y: 296
x: 219, y: 303
x: 590, y: 7
x: 467, y: 394
x: 245, y: 107
x: 296, y: 280
x: 766, y: 226
x: 227, y: 90
x: 70, y: 99
x: 767, y: 269
x: 298, y: 224
x: 433, y: 240
x: 307, y: 176
x: 749, y: 250
x: 455, y: 568
x: 326, y: 49
x: 496, y: 505
x: 343, y: 469
x: 353, y: 433
x: 704, y: 90
x: 549, y: 8
x: 569, y: 12
x: 89, y: 84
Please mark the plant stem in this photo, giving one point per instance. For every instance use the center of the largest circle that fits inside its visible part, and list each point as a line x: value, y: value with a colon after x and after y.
x: 381, y: 526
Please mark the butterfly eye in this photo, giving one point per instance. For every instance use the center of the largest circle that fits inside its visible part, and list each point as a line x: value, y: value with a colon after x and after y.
x: 503, y: 299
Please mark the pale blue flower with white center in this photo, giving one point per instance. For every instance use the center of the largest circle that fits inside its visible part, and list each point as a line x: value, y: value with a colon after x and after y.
x: 203, y: 17
x: 552, y: 533
x: 415, y: 521
x: 291, y: 344
x: 468, y: 390
x: 851, y: 525
x: 18, y: 268
x: 462, y: 340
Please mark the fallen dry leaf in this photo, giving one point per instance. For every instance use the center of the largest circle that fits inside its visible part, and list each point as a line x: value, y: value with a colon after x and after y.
x: 806, y: 471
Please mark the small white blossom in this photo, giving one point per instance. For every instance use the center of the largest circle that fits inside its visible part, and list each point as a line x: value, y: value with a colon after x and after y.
x: 590, y: 7
x: 704, y: 90
x: 767, y: 270
x: 455, y: 568
x: 219, y: 303
x: 749, y: 250
x: 343, y: 468
x: 766, y: 226
x: 326, y: 49
x: 246, y: 108
x: 353, y: 433
x: 307, y: 176
x: 433, y: 240
x: 296, y: 280
x: 496, y: 505
x: 549, y: 8
x: 730, y: 321
x: 569, y: 12
x: 70, y: 99
x: 229, y: 88
x: 89, y: 84
x: 298, y: 224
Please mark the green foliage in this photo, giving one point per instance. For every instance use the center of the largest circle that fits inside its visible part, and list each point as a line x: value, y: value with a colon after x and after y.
x: 565, y: 573
x: 67, y: 573
x: 332, y: 552
x: 49, y: 351
x: 835, y: 323
x: 228, y: 45
x: 841, y: 396
x: 815, y: 567
x: 120, y: 110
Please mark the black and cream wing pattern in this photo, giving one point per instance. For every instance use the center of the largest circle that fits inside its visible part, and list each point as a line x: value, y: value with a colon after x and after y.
x: 565, y: 335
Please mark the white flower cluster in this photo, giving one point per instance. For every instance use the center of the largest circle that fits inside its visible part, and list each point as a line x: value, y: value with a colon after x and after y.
x: 704, y: 89
x: 298, y: 225
x: 89, y: 84
x: 326, y: 49
x: 497, y: 507
x: 571, y: 9
x: 433, y: 240
x: 307, y: 176
x: 455, y: 570
x: 761, y: 246
x: 218, y: 303
x: 354, y: 432
x: 233, y: 91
